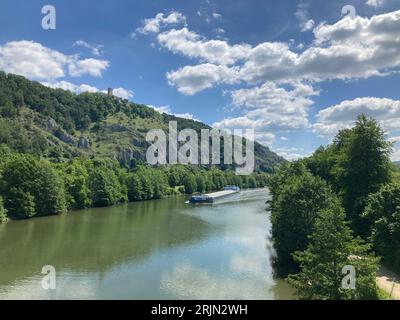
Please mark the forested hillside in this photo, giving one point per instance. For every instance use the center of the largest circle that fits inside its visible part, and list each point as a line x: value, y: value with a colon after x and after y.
x: 60, y: 125
x: 60, y: 151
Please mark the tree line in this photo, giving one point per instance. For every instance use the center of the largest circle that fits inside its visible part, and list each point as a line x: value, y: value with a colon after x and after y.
x: 340, y: 207
x: 32, y: 186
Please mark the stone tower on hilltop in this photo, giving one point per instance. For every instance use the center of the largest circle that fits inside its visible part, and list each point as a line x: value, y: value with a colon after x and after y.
x: 110, y: 92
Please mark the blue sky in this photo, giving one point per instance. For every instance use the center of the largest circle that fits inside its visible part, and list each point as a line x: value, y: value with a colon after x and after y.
x: 295, y: 71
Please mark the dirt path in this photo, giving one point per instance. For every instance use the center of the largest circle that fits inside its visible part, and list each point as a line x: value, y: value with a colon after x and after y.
x: 389, y: 282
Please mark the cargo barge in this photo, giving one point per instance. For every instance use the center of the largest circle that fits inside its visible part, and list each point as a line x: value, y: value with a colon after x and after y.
x: 211, y: 197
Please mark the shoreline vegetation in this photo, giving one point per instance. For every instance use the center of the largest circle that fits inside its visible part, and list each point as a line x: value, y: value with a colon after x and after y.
x: 32, y: 186
x: 336, y: 211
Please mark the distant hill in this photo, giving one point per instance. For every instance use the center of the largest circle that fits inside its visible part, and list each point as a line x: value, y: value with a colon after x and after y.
x: 397, y: 163
x: 60, y: 125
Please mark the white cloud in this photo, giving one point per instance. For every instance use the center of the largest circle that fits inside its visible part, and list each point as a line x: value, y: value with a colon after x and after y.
x: 208, y: 11
x: 188, y: 116
x: 216, y: 15
x: 65, y: 85
x: 394, y: 139
x: 396, y: 148
x: 161, y: 109
x: 291, y: 153
x: 192, y: 79
x: 90, y: 66
x: 32, y: 60
x: 269, y: 61
x: 265, y: 138
x: 271, y: 108
x: 308, y: 25
x: 343, y: 115
x: 95, y: 49
x: 396, y: 154
x: 122, y: 93
x: 192, y: 45
x: 35, y: 61
x: 352, y: 48
x: 375, y: 3
x: 303, y: 16
x: 167, y: 109
x: 349, y: 49
x: 153, y: 25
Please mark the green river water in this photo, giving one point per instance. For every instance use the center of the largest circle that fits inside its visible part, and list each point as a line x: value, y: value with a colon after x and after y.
x: 161, y: 249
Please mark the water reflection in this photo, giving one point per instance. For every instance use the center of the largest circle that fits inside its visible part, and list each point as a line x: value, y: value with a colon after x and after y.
x: 149, y: 250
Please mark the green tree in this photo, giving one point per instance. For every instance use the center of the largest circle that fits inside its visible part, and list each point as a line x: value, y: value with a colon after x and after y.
x: 146, y: 183
x: 383, y: 211
x: 107, y: 185
x: 135, y: 191
x: 294, y: 209
x: 104, y: 187
x: 362, y: 167
x: 49, y: 195
x: 200, y: 183
x: 160, y: 183
x: 76, y: 182
x: 332, y: 247
x: 31, y: 187
x: 20, y: 203
x: 190, y: 184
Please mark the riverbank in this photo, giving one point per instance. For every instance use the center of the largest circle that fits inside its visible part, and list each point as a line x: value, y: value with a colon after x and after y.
x: 389, y: 282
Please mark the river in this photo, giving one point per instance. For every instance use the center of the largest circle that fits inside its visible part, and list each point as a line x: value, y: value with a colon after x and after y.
x: 160, y: 249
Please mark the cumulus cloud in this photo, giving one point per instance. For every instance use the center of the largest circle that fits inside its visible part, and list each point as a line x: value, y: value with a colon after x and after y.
x: 337, y: 117
x: 192, y: 45
x: 153, y: 25
x: 93, y: 67
x: 35, y: 61
x: 351, y: 48
x: 269, y: 108
x: 280, y: 81
x: 122, y: 93
x: 192, y: 79
x: 65, y: 85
